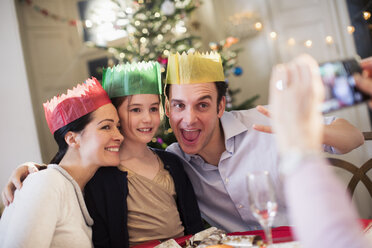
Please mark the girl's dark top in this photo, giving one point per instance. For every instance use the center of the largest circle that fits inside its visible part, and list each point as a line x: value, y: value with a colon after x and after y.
x: 106, y: 194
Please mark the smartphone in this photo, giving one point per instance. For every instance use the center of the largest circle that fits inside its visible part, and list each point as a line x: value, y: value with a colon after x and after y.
x: 340, y: 90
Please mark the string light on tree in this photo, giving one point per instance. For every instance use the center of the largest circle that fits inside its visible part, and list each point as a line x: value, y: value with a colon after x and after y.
x: 167, y: 8
x: 129, y: 10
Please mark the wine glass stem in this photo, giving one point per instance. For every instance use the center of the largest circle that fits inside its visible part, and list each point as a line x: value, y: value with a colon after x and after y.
x: 268, y: 234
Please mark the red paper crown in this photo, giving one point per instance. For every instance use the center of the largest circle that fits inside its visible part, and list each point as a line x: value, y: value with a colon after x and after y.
x: 81, y: 100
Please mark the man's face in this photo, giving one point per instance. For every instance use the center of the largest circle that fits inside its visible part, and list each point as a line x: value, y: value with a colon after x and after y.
x: 193, y: 115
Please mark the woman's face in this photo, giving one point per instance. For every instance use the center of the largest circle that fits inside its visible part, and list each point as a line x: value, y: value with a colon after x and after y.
x: 140, y: 117
x: 100, y: 140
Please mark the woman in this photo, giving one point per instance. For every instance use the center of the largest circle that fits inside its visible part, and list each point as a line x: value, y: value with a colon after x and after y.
x: 49, y: 210
x: 148, y: 196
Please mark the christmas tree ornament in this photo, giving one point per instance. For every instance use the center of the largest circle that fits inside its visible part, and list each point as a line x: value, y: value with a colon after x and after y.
x: 190, y: 68
x: 213, y: 46
x: 132, y: 79
x: 162, y: 60
x: 230, y: 41
x: 81, y: 100
x: 238, y: 71
x: 167, y: 8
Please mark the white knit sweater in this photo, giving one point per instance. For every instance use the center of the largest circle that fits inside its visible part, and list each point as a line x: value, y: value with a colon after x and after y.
x: 48, y: 211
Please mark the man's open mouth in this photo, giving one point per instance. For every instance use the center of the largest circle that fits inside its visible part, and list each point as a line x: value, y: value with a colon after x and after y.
x: 190, y: 135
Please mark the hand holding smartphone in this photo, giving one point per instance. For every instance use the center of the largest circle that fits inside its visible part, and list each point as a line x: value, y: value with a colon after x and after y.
x: 340, y: 90
x: 366, y: 65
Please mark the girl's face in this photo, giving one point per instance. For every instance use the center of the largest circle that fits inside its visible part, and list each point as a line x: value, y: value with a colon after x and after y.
x: 100, y: 140
x: 140, y: 117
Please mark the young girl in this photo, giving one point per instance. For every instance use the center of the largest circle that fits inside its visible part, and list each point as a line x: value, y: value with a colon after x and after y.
x: 49, y: 210
x: 148, y: 196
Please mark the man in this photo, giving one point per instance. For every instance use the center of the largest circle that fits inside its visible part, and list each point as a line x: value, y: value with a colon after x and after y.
x: 219, y: 148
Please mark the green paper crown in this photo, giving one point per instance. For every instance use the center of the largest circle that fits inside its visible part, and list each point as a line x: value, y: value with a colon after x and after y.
x: 132, y: 79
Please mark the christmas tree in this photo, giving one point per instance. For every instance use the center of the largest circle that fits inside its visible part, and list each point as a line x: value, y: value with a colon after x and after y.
x: 154, y: 28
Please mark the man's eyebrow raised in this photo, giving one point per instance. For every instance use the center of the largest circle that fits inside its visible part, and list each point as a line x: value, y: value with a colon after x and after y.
x: 199, y: 99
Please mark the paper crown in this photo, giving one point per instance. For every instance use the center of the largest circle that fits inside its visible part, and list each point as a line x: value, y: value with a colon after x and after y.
x: 132, y: 79
x: 81, y: 100
x: 194, y: 68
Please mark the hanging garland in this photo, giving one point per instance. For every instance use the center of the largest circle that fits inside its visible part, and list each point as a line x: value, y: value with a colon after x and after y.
x: 47, y: 13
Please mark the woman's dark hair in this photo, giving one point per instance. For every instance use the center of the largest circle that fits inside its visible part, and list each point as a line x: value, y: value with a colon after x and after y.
x: 59, y: 135
x: 118, y: 101
x: 221, y: 87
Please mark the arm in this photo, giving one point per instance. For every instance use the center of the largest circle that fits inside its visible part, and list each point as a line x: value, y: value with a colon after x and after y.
x: 339, y: 134
x: 31, y: 220
x: 15, y: 180
x: 319, y: 206
x: 343, y: 136
x: 332, y: 220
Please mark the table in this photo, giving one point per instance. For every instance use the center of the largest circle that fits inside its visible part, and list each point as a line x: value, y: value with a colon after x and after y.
x: 280, y: 234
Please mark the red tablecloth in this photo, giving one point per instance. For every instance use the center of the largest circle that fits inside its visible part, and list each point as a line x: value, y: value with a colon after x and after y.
x: 280, y: 234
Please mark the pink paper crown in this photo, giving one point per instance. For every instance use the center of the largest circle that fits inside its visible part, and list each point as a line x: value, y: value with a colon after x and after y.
x: 81, y: 100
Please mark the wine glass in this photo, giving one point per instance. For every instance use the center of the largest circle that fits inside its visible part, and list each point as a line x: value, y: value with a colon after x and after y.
x: 262, y: 200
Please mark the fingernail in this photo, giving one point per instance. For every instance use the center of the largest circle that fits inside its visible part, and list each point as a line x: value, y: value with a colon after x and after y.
x: 281, y: 84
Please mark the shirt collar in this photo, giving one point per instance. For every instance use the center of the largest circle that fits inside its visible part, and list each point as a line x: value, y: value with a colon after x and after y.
x: 231, y: 126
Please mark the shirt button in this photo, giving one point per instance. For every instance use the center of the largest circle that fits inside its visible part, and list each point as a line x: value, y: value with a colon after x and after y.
x: 226, y: 180
x: 240, y: 206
